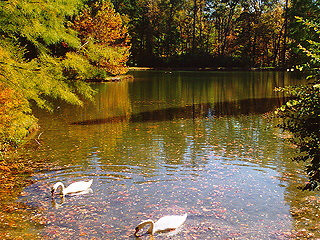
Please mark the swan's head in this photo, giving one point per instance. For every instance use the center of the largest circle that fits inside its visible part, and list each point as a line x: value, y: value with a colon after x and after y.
x: 55, y: 186
x: 137, y: 229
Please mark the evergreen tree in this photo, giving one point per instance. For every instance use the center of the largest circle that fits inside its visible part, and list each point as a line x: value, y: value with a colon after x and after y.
x: 42, y: 56
x: 29, y: 31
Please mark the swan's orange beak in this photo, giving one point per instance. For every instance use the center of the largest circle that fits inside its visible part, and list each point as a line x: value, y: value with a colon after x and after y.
x: 52, y: 192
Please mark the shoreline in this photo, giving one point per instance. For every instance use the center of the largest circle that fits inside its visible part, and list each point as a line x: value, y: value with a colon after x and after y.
x: 129, y: 77
x: 207, y: 69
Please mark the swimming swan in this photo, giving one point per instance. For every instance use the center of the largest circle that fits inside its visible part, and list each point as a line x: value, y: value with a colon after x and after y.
x: 163, y: 224
x: 73, y: 187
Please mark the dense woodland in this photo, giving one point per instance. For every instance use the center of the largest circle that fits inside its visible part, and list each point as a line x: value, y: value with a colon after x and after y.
x: 50, y: 49
x: 215, y: 33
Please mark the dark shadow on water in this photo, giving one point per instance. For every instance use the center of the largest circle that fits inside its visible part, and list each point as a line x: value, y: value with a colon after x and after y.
x: 204, y: 110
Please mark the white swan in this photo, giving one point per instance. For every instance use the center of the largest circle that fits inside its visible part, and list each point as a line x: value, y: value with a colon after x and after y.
x: 163, y: 224
x: 73, y: 187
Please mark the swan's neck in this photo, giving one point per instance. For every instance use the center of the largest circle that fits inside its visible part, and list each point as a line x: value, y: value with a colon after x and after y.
x: 151, y: 229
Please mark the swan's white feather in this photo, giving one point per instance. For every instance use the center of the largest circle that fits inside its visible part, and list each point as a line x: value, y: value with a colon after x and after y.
x: 169, y: 222
x: 78, y: 186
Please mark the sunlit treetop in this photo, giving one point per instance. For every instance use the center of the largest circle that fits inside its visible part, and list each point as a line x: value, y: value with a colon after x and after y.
x: 38, y: 24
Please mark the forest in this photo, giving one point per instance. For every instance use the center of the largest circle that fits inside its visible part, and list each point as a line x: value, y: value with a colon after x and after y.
x: 213, y: 34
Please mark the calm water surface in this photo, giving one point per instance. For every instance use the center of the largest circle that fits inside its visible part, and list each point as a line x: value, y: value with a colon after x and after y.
x: 194, y: 142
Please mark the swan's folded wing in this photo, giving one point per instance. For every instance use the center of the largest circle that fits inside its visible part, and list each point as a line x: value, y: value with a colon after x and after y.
x: 170, y: 222
x: 78, y: 186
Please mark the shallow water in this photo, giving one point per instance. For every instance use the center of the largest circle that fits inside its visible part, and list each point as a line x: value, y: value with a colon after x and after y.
x: 194, y: 142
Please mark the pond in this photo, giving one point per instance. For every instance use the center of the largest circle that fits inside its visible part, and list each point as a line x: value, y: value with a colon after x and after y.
x: 170, y: 143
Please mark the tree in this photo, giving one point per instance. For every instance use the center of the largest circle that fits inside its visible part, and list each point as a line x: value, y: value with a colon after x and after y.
x: 259, y: 34
x: 29, y: 30
x: 43, y: 56
x: 104, y: 38
x: 36, y: 25
x: 305, y: 9
x: 28, y: 70
x: 301, y: 114
x: 225, y: 14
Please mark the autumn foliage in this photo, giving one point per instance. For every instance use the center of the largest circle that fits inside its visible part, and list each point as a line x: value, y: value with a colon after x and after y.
x: 104, y: 37
x: 15, y: 118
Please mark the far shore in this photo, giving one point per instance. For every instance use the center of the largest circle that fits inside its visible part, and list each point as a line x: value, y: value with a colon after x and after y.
x: 208, y: 69
x: 128, y: 77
